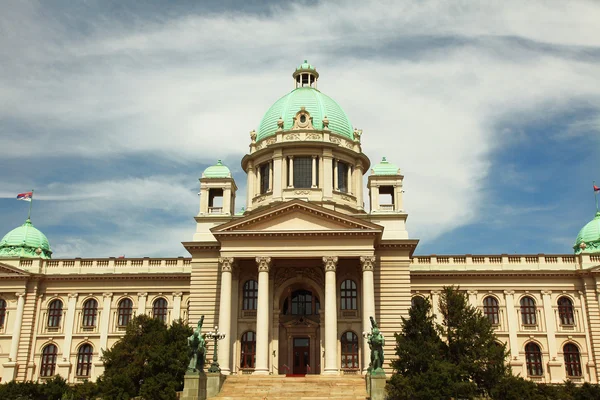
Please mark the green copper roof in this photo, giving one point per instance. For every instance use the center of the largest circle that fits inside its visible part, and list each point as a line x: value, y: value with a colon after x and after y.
x: 217, y: 171
x: 305, y: 65
x: 315, y: 102
x: 25, y: 241
x: 385, y: 168
x: 588, y: 240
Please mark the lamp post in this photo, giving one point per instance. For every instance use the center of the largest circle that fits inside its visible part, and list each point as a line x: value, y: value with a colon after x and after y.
x: 216, y: 336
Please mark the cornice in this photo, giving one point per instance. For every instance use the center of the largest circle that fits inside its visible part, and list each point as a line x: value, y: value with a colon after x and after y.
x: 537, y: 273
x: 297, y: 233
x: 111, y: 276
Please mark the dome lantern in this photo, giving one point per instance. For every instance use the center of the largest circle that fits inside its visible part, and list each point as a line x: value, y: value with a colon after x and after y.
x: 305, y: 75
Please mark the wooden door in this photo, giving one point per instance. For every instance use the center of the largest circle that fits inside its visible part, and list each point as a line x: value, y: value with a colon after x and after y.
x: 301, y: 356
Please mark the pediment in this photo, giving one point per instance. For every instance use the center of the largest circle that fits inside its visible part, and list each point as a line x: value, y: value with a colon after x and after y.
x: 10, y: 271
x: 296, y: 216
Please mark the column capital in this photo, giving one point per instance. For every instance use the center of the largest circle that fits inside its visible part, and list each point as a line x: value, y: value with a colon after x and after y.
x: 107, y: 295
x: 367, y: 263
x: 142, y: 294
x: 546, y: 292
x: 472, y: 292
x: 72, y: 295
x: 178, y: 294
x: 435, y: 292
x: 226, y: 263
x: 22, y: 294
x: 330, y: 263
x: 509, y: 292
x: 264, y: 264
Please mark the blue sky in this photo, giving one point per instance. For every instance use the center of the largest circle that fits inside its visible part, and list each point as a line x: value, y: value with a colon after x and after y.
x: 111, y: 110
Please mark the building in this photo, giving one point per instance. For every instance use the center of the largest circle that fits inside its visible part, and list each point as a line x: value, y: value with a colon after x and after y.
x: 293, y: 280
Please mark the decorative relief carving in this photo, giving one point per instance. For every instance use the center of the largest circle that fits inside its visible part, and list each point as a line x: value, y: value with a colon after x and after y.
x: 330, y: 263
x: 314, y: 136
x: 367, y: 263
x: 226, y: 264
x: 302, y: 192
x: 347, y: 198
x: 271, y: 140
x: 349, y: 145
x: 333, y: 139
x: 357, y: 134
x: 260, y: 199
x: 264, y: 264
x: 284, y: 274
x: 292, y: 136
x: 253, y: 135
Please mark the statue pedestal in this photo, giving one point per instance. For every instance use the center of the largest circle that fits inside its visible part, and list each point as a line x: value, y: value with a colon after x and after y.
x: 194, y: 386
x: 376, y: 386
x: 214, y: 381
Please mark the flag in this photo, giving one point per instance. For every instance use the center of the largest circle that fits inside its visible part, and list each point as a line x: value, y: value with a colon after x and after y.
x: 25, y: 196
x: 596, y: 188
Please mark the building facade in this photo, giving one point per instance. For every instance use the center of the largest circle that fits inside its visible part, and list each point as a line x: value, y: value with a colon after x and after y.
x: 294, y: 278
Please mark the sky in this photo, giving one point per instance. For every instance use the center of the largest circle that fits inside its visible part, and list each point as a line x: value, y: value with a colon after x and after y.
x: 111, y: 110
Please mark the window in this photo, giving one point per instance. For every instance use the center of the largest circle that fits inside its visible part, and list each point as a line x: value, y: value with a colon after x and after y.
x: 124, y: 311
x: 565, y: 311
x: 528, y: 311
x: 302, y: 172
x: 301, y: 302
x: 572, y: 360
x: 159, y: 309
x: 54, y: 313
x: 90, y: 313
x: 250, y: 295
x: 48, y: 360
x: 342, y: 172
x: 2, y: 312
x: 84, y: 360
x: 264, y: 178
x: 348, y: 295
x: 248, y: 350
x: 349, y: 350
x: 417, y: 300
x: 533, y: 357
x: 491, y: 310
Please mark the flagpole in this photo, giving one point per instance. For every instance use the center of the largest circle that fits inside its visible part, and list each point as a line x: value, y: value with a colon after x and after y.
x: 596, y: 196
x: 31, y: 204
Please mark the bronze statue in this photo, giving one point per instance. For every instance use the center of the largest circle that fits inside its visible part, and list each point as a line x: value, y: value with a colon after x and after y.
x: 197, y: 349
x: 376, y: 342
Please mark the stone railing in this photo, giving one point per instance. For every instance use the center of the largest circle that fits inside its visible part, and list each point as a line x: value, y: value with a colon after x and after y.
x: 111, y: 264
x: 504, y: 262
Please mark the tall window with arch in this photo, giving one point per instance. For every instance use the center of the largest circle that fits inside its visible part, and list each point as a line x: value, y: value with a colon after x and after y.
x: 84, y: 360
x: 248, y: 350
x: 417, y: 300
x: 491, y: 310
x: 349, y: 343
x: 2, y: 312
x: 250, y: 295
x: 533, y: 358
x: 342, y: 177
x: 348, y: 295
x: 301, y: 302
x: 528, y: 311
x: 160, y: 309
x: 124, y: 311
x: 90, y: 313
x: 565, y: 311
x: 48, y: 364
x: 572, y: 359
x: 55, y: 310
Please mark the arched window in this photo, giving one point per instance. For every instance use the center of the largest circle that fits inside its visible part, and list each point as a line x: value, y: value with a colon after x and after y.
x: 491, y: 310
x: 84, y: 360
x: 54, y: 313
x: 248, y: 350
x: 90, y: 313
x: 124, y: 311
x: 565, y: 311
x: 250, y: 295
x: 417, y: 300
x: 572, y: 360
x: 2, y: 312
x: 48, y: 360
x: 348, y: 295
x: 533, y: 357
x: 528, y: 311
x: 349, y: 350
x: 159, y: 309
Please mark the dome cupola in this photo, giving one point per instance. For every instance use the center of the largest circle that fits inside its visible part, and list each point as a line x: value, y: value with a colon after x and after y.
x: 588, y: 239
x: 25, y: 241
x: 385, y: 168
x: 305, y: 75
x: 217, y: 171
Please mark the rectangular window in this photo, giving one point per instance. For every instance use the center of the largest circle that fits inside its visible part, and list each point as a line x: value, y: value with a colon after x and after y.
x: 264, y: 178
x: 302, y: 172
x: 342, y: 171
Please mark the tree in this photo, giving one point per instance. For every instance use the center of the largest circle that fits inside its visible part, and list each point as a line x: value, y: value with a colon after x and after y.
x: 150, y: 360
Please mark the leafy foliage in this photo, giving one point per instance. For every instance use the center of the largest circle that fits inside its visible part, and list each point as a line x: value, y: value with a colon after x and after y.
x: 52, y: 389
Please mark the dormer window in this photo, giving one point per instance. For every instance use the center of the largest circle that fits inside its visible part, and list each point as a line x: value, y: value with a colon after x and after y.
x: 303, y: 120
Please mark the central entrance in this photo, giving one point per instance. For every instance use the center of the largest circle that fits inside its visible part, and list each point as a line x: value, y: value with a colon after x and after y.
x: 301, y: 354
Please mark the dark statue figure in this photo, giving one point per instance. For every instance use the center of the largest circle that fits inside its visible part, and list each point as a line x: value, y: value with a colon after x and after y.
x: 197, y: 349
x: 376, y: 342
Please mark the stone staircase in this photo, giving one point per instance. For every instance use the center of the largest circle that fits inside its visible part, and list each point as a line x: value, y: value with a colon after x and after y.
x: 279, y: 387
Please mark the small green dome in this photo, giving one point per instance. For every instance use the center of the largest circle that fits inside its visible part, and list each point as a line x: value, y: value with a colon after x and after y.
x: 217, y: 171
x: 588, y: 239
x: 305, y: 66
x: 25, y: 241
x: 318, y: 106
x: 385, y: 168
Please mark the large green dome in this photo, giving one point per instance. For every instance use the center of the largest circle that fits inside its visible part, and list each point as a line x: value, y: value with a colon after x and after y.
x: 25, y: 241
x: 315, y: 102
x: 588, y: 239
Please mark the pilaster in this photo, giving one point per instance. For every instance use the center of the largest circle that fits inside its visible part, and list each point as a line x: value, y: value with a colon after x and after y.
x: 331, y: 361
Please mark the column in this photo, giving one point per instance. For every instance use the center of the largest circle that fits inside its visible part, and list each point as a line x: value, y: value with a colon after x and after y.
x: 314, y: 171
x: 472, y: 297
x: 359, y: 185
x: 291, y: 172
x: 375, y: 198
x: 368, y: 304
x: 327, y: 172
x: 258, y: 180
x: 513, y: 323
x: 262, y: 317
x: 335, y: 175
x: 105, y: 320
x: 226, y: 264
x: 331, y: 362
x: 64, y: 366
x: 249, y: 186
x: 227, y: 202
x: 435, y: 306
x: 16, y: 335
x: 176, y: 314
x: 271, y: 176
x: 554, y: 366
x: 349, y: 179
x: 142, y: 303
